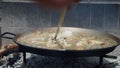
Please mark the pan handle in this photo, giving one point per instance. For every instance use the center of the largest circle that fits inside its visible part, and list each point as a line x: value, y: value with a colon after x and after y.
x: 7, y: 33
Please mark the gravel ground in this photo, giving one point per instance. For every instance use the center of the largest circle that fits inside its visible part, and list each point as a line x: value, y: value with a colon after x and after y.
x: 37, y: 61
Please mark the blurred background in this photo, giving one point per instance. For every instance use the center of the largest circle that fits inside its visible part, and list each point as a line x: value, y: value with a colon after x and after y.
x: 18, y: 15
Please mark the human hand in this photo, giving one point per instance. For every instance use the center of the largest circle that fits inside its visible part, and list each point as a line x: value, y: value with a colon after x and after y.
x: 8, y: 49
x: 56, y: 4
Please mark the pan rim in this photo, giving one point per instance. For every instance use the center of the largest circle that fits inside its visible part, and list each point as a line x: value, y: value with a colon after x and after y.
x: 19, y: 35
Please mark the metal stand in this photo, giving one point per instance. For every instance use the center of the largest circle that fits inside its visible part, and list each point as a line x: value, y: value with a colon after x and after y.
x: 101, y: 65
x: 100, y: 61
x: 24, y: 59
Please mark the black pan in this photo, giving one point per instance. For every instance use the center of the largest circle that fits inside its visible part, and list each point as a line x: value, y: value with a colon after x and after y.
x: 61, y: 52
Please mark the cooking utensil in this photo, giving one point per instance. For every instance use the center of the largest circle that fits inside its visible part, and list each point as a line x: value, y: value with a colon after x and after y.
x: 60, y: 22
x: 60, y: 52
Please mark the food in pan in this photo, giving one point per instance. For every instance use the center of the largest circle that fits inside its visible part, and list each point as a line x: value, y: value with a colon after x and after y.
x: 70, y: 40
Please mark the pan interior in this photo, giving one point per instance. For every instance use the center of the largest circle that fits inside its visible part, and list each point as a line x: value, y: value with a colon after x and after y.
x: 68, y: 38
